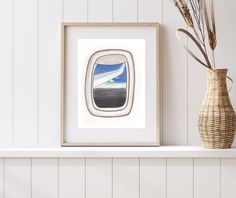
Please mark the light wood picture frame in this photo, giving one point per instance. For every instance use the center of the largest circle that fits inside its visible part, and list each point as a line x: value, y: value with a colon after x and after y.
x: 110, y: 84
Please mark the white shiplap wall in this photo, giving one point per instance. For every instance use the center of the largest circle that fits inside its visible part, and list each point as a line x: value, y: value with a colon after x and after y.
x: 30, y: 105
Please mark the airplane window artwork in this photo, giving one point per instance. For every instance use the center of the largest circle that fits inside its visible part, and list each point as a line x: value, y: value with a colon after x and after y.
x: 110, y: 83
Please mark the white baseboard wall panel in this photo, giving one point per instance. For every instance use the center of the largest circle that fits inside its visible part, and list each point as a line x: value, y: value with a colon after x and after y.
x: 99, y: 177
x: 152, y: 177
x: 179, y: 178
x: 2, y: 177
x: 228, y: 178
x: 206, y: 178
x: 45, y: 178
x: 117, y: 177
x: 17, y: 178
x: 72, y: 177
x: 126, y: 179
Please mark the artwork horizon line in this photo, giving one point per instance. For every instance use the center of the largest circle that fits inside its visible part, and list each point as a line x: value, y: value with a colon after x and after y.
x: 112, y: 86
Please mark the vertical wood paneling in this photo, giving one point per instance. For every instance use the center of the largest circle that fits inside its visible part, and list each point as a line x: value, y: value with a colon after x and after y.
x: 25, y: 73
x: 125, y: 11
x: 75, y: 10
x: 197, y: 80
x: 206, y: 178
x: 100, y: 11
x: 98, y: 177
x: 6, y: 70
x: 17, y: 178
x: 126, y: 178
x: 49, y: 72
x: 228, y: 178
x: 225, y: 50
x: 2, y: 177
x: 150, y: 11
x: 153, y: 177
x: 180, y: 177
x: 44, y: 178
x: 179, y: 82
x: 72, y: 178
x: 174, y: 79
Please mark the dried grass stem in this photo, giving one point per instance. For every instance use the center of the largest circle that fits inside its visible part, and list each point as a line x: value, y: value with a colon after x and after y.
x: 200, y: 13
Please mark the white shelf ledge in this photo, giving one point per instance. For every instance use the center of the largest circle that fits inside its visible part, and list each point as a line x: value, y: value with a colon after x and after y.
x: 163, y: 151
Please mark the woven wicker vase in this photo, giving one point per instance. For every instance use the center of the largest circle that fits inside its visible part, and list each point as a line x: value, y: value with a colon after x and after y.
x: 217, y: 120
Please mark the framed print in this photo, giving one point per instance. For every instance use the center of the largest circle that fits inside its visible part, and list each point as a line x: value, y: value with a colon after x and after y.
x: 110, y: 84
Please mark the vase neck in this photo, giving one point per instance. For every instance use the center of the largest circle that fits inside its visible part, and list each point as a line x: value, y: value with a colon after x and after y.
x: 216, y: 80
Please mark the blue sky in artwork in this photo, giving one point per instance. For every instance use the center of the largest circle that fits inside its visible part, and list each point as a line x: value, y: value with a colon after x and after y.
x: 100, y: 68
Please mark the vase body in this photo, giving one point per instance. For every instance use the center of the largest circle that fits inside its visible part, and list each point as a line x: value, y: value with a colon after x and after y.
x: 217, y: 120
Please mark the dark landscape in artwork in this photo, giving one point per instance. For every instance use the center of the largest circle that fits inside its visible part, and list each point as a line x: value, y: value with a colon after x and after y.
x: 110, y: 85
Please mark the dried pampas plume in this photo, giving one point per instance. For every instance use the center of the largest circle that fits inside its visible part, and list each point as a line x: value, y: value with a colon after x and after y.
x: 200, y: 18
x: 184, y: 11
x: 209, y: 15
